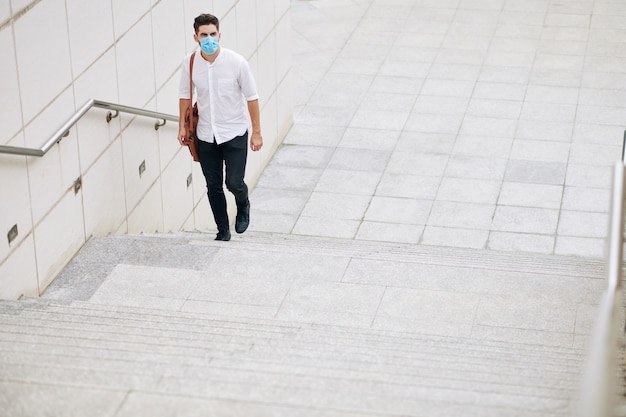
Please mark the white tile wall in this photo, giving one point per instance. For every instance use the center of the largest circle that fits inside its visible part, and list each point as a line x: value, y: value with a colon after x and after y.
x: 147, y: 216
x: 169, y: 146
x: 281, y: 7
x: 99, y: 81
x: 254, y: 67
x: 178, y: 201
x: 16, y: 199
x: 17, y: 5
x: 89, y: 38
x: 126, y: 14
x: 43, y: 55
x: 284, y: 52
x: 284, y: 106
x: 203, y: 218
x: 51, y: 176
x: 189, y: 223
x: 135, y: 65
x: 168, y: 38
x: 221, y: 8
x: 257, y: 159
x: 167, y: 95
x: 247, y: 27
x: 58, y: 237
x: 265, y: 18
x: 139, y: 144
x: 269, y: 129
x: 11, y: 117
x: 5, y: 12
x: 121, y: 52
x: 104, y: 201
x: 18, y: 274
x: 266, y: 79
x: 94, y: 134
x: 123, y: 229
x: 228, y: 30
x: 284, y: 39
x: 167, y: 142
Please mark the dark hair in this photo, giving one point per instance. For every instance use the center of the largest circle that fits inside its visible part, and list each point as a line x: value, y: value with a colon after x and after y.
x: 206, y: 19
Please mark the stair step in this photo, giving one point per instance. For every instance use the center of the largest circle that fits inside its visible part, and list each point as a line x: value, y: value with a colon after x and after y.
x: 159, y: 316
x: 67, y: 338
x: 450, y: 256
x: 274, y: 351
x: 339, y: 390
x: 289, y: 387
x: 183, y: 325
x: 307, y: 345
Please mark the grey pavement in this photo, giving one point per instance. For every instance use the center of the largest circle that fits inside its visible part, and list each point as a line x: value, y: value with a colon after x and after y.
x: 465, y: 123
x: 427, y: 241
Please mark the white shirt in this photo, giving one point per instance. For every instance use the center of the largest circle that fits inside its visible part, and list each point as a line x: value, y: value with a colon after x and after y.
x: 222, y: 89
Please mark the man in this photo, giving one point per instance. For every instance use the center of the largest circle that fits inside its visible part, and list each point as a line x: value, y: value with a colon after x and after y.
x: 224, y: 86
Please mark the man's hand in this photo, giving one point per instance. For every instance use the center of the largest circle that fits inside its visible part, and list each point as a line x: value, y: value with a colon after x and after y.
x: 182, y: 132
x: 256, y: 141
x: 183, y: 105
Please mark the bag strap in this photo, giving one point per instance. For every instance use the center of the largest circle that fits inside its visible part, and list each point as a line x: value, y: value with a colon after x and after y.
x: 191, y: 78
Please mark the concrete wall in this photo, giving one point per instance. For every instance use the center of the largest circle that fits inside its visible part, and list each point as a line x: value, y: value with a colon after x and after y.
x: 58, y: 54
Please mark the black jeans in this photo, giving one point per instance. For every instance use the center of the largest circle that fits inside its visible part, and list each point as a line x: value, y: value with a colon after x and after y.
x: 213, y: 157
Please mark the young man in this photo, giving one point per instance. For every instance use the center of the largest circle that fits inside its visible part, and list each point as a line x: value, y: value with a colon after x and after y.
x: 225, y: 87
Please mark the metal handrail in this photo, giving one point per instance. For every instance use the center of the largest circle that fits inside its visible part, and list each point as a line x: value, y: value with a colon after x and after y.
x: 599, y: 391
x: 64, y: 130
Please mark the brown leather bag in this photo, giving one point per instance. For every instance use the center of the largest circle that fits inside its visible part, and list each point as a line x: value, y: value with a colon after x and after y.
x: 191, y: 118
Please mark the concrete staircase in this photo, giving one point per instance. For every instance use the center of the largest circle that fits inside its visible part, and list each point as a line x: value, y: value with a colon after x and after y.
x: 281, y: 325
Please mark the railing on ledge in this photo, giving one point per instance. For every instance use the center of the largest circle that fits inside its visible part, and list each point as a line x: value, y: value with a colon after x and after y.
x: 64, y: 130
x: 599, y: 390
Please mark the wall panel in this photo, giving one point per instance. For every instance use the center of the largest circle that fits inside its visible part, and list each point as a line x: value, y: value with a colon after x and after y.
x: 58, y: 236
x: 89, y: 37
x: 10, y: 100
x: 43, y: 55
x: 18, y: 274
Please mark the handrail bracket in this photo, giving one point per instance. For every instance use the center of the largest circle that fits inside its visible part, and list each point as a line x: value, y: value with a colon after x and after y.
x: 159, y: 123
x: 111, y: 116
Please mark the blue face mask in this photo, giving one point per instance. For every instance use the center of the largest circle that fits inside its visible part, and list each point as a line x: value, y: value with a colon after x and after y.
x: 209, y: 45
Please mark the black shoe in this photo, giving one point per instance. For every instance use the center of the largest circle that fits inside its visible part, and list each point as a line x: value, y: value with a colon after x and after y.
x: 243, y: 218
x: 223, y: 235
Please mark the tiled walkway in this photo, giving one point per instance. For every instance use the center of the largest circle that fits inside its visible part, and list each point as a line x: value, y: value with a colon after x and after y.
x: 465, y: 123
